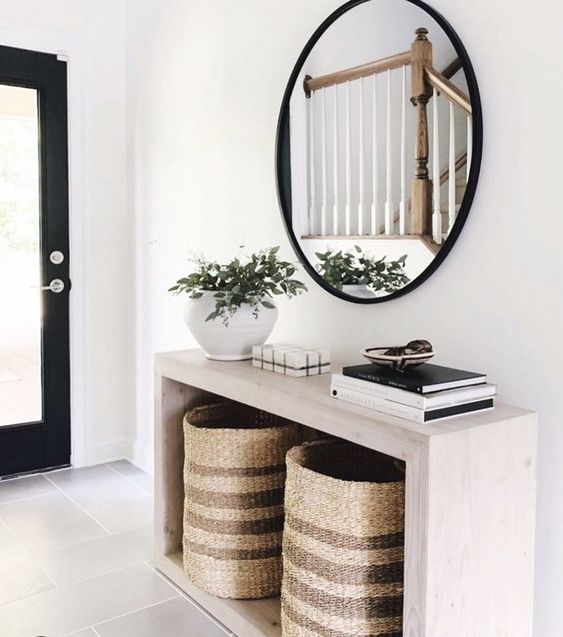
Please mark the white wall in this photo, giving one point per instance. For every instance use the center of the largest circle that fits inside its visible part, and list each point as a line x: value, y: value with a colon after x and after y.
x: 206, y: 88
x: 93, y: 33
x: 373, y: 31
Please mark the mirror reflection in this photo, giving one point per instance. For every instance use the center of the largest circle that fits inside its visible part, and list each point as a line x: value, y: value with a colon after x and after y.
x: 380, y: 139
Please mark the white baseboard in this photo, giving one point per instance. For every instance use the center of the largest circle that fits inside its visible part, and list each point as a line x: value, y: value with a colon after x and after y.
x: 110, y: 451
x: 138, y: 453
x: 141, y: 455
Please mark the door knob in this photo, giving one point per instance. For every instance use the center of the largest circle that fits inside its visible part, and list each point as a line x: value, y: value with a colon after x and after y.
x: 56, y: 286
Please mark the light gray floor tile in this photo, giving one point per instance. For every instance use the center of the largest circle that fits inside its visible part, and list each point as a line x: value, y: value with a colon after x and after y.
x: 175, y: 618
x: 92, y: 487
x: 125, y: 516
x: 87, y: 632
x: 88, y: 603
x: 8, y: 542
x: 21, y: 488
x: 20, y: 576
x: 49, y: 522
x: 133, y: 473
x: 90, y: 559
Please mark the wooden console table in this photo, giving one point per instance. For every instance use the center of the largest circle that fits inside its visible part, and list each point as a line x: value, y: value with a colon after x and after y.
x: 470, y: 498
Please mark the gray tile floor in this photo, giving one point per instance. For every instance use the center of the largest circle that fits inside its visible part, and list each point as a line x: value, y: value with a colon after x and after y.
x: 75, y: 559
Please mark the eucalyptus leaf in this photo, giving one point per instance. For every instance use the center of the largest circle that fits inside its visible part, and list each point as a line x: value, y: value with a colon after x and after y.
x: 339, y: 268
x: 261, y: 276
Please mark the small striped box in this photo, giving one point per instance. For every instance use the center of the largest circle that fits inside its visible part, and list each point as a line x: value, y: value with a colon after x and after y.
x: 291, y: 360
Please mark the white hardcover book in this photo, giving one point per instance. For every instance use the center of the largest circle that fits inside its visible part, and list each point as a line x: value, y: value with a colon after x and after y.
x: 412, y: 399
x: 379, y: 404
x: 404, y: 411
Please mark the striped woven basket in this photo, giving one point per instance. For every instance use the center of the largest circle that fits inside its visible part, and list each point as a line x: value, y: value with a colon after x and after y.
x: 343, y: 543
x: 234, y: 477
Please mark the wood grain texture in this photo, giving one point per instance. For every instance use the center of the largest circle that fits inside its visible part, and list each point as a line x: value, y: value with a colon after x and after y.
x: 421, y: 205
x: 430, y: 243
x: 470, y: 497
x: 453, y: 67
x: 173, y: 399
x: 481, y: 520
x: 246, y: 618
x: 421, y: 192
x: 421, y: 57
x: 460, y: 163
x: 358, y: 72
x: 311, y: 403
x: 416, y: 545
x: 442, y: 84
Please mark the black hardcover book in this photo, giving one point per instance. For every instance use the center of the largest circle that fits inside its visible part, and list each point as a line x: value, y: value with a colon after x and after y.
x: 458, y: 410
x: 422, y: 380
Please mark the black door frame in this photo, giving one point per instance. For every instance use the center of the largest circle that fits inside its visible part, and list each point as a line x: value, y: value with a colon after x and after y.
x: 25, y: 448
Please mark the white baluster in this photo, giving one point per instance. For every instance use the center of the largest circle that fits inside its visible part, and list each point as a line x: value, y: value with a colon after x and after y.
x: 324, y: 205
x: 312, y: 172
x: 436, y: 213
x: 403, y: 202
x: 451, y: 175
x: 469, y: 144
x: 348, y: 160
x: 375, y: 165
x: 389, y: 209
x: 362, y: 172
x: 336, y: 159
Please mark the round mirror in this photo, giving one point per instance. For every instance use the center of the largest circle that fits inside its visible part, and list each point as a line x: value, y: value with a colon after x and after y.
x: 379, y: 148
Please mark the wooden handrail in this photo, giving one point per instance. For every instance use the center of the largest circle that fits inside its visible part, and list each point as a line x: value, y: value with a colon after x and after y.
x: 365, y: 70
x: 452, y: 68
x: 461, y: 161
x: 442, y: 84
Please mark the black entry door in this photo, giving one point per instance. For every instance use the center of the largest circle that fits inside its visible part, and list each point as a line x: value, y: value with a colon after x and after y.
x: 34, y: 263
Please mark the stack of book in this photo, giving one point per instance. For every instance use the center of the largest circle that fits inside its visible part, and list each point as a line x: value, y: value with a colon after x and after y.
x: 424, y: 394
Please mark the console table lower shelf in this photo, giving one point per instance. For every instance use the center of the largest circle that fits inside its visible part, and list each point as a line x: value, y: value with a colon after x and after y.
x: 470, y: 498
x: 258, y: 618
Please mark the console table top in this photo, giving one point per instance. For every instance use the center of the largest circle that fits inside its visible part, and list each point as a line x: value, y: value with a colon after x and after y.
x: 308, y: 401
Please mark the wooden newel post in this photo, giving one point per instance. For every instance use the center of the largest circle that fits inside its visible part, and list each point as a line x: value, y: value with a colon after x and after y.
x: 421, y: 210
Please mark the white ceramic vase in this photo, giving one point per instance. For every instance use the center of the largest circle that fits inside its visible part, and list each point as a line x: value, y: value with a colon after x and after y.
x: 359, y: 291
x: 232, y: 342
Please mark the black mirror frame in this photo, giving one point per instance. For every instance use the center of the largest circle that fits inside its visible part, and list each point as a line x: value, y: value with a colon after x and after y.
x: 283, y: 154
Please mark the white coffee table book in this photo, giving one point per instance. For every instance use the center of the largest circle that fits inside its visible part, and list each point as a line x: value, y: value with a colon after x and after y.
x: 470, y: 497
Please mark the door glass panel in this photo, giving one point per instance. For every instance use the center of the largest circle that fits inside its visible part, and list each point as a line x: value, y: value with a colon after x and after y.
x: 20, y: 262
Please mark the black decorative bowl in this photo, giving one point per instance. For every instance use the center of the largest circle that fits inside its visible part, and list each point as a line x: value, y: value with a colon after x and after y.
x: 413, y: 355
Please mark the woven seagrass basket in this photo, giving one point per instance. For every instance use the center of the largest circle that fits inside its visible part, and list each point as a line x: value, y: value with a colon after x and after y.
x: 234, y: 478
x: 343, y: 546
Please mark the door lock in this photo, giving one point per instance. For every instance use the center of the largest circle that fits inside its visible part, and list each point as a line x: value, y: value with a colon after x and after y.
x: 56, y: 257
x: 56, y: 286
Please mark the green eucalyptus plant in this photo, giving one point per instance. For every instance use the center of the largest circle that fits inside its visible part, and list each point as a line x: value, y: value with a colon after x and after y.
x: 339, y: 268
x: 250, y: 281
